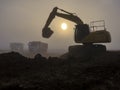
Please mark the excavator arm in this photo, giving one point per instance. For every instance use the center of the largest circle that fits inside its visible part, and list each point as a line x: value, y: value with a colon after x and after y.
x: 47, y: 32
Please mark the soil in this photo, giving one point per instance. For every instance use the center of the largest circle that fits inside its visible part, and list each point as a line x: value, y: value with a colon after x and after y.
x: 99, y: 72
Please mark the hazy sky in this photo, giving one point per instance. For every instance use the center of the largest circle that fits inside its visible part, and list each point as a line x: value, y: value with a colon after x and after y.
x: 23, y: 20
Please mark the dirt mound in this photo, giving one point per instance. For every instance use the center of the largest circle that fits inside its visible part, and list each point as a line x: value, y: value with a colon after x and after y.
x: 101, y: 72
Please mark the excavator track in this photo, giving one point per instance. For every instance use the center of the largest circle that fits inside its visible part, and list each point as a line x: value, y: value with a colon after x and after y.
x: 86, y: 51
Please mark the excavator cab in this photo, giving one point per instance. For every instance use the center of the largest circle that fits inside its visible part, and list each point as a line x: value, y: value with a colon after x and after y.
x: 81, y: 31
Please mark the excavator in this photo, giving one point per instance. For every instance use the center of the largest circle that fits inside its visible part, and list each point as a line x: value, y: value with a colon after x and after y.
x: 87, y: 35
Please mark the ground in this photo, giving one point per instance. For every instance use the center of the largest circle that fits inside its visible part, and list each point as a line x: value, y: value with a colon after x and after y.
x: 99, y: 72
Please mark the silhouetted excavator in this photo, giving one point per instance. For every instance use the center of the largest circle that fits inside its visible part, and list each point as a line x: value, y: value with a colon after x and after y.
x: 83, y: 34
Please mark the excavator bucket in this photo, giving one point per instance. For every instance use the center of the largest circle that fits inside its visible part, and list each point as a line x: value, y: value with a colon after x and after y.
x: 47, y: 32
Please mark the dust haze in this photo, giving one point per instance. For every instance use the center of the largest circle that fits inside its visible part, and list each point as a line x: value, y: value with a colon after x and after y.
x: 82, y: 67
x: 23, y: 20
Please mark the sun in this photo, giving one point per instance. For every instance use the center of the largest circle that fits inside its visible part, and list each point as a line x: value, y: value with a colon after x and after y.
x: 64, y: 26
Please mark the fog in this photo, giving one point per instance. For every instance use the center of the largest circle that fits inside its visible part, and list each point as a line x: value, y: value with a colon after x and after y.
x: 23, y: 20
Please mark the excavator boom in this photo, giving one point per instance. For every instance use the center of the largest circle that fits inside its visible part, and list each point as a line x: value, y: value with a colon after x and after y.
x: 70, y: 17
